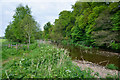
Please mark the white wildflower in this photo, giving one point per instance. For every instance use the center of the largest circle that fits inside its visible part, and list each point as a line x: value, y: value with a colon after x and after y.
x: 20, y: 62
x: 68, y: 70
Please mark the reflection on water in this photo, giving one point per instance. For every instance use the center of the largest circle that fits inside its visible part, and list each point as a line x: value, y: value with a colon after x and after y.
x: 93, y: 55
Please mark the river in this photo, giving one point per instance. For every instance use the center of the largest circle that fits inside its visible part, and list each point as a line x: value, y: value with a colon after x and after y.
x: 93, y: 55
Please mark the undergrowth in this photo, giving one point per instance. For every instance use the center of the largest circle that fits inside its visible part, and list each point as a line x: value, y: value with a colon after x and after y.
x: 40, y: 61
x: 45, y: 61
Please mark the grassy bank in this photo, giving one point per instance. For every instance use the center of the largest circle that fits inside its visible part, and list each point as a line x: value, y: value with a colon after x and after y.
x: 45, y: 61
x: 9, y: 53
x: 3, y: 40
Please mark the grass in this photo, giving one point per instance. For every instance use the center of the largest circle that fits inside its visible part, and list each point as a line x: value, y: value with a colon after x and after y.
x: 3, y: 40
x: 44, y: 61
x: 8, y: 53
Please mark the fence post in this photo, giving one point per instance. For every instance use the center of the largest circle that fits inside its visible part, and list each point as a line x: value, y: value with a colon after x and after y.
x: 21, y: 46
x: 39, y: 44
x: 28, y: 46
x: 11, y: 45
x: 16, y: 46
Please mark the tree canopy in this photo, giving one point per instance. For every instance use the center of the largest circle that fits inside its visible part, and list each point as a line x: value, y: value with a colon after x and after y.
x: 95, y: 24
x: 23, y: 28
x: 89, y: 24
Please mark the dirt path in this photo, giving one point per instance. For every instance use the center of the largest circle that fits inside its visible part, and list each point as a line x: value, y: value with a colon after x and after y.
x: 103, y: 72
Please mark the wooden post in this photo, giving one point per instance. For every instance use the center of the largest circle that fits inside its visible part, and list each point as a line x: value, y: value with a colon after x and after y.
x: 28, y: 46
x: 16, y: 46
x: 39, y: 44
x: 11, y: 45
x: 21, y: 46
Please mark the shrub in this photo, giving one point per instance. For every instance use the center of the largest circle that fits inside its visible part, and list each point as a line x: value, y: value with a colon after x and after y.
x: 111, y: 66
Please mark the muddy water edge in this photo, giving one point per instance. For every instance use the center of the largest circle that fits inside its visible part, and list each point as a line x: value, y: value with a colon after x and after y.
x: 100, y: 57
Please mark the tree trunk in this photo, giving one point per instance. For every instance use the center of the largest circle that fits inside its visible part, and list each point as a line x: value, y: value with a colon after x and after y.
x: 29, y: 42
x: 29, y: 39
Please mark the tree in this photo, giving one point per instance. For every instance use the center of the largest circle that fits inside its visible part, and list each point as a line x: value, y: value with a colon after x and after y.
x: 47, y: 27
x: 89, y: 24
x: 22, y: 27
x: 28, y: 25
x: 63, y: 25
x: 8, y: 32
x: 38, y: 34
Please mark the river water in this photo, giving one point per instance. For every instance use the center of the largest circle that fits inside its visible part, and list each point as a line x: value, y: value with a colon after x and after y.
x: 97, y: 56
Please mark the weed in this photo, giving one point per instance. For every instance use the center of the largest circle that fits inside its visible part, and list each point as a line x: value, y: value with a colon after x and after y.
x: 45, y: 61
x: 111, y: 66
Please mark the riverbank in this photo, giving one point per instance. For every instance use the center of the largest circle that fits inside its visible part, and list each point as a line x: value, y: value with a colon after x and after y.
x: 92, y: 55
x: 41, y: 61
x: 96, y: 70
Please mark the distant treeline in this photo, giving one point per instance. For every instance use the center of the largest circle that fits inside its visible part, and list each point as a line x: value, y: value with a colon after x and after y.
x: 94, y: 24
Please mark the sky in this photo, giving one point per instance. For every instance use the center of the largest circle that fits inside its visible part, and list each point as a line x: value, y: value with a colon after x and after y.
x: 43, y: 11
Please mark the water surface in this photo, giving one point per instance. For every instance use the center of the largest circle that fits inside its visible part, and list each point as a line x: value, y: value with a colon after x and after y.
x: 97, y: 56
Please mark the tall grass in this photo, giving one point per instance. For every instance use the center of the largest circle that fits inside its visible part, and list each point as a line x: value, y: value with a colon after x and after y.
x: 3, y: 40
x: 39, y: 61
x: 13, y: 52
x: 45, y: 61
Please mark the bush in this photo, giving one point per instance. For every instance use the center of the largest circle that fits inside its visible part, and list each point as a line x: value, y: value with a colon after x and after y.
x: 115, y: 46
x: 111, y: 66
x: 33, y: 46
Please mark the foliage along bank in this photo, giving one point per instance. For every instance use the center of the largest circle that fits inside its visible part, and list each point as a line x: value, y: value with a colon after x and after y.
x: 94, y: 24
x: 44, y: 61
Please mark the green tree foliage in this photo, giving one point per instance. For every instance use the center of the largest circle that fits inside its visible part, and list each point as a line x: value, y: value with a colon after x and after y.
x: 47, y: 29
x: 9, y: 33
x: 90, y: 24
x: 23, y: 27
x: 56, y: 33
x: 63, y: 25
x: 38, y: 33
x: 102, y: 31
x: 28, y: 26
x: 106, y: 32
